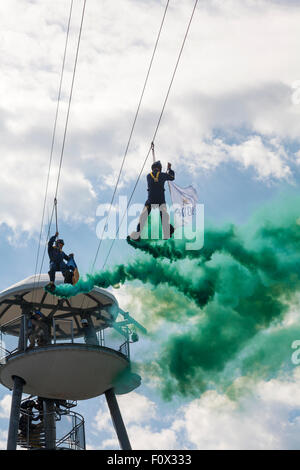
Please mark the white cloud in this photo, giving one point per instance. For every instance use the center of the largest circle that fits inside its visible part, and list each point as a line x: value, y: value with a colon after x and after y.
x: 236, y: 77
x: 268, y: 160
x: 265, y: 417
x: 5, y: 406
x: 145, y: 438
x: 3, y: 440
x: 214, y: 422
x: 276, y: 391
x: 135, y: 408
x: 268, y: 163
x: 137, y: 412
x: 263, y: 420
x: 23, y: 183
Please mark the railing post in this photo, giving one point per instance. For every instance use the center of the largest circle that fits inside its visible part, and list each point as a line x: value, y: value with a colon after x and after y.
x: 23, y: 329
x: 2, y: 350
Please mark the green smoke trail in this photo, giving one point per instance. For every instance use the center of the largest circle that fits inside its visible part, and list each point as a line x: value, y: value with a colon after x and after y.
x: 148, y: 271
x: 259, y: 277
x: 241, y: 283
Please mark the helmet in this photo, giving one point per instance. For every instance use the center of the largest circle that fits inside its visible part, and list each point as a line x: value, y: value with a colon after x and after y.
x: 156, y: 166
x: 59, y: 242
x: 36, y: 312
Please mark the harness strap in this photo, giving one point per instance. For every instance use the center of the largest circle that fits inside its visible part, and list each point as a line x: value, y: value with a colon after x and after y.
x: 155, y: 178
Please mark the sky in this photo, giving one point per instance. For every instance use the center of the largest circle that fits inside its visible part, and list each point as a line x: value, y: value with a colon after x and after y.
x: 230, y: 128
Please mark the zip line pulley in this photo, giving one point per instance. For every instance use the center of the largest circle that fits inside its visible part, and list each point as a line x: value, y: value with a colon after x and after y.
x: 153, y: 152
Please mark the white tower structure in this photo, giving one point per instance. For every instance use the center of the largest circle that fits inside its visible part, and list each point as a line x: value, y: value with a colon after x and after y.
x: 59, y: 351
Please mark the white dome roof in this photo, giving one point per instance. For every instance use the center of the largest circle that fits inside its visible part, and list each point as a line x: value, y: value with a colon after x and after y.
x: 30, y: 293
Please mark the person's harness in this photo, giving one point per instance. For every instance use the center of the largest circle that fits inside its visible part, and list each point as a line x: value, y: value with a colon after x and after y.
x: 155, y: 178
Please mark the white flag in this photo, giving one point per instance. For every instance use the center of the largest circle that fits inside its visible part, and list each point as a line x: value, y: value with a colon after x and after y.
x: 184, y: 201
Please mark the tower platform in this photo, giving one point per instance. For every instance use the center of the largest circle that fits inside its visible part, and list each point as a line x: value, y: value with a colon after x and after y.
x: 69, y: 371
x: 99, y: 304
x: 75, y: 360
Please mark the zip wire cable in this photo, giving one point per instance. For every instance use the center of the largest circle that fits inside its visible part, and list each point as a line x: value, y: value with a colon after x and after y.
x: 131, y: 132
x: 65, y: 133
x: 54, y: 132
x: 70, y: 99
x: 55, y: 207
x: 130, y: 136
x: 156, y: 130
x: 53, y: 139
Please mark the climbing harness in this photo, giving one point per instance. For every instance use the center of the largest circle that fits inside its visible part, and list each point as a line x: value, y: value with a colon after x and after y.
x: 155, y: 177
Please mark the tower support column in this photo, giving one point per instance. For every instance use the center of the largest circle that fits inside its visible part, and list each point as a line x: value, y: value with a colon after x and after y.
x: 49, y: 423
x: 15, y: 413
x: 117, y: 419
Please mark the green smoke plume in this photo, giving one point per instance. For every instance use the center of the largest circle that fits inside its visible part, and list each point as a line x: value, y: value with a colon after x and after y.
x: 241, y: 284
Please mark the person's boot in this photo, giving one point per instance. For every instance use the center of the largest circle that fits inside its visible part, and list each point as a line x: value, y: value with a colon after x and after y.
x: 170, y: 233
x: 135, y: 236
x: 51, y: 286
x: 172, y: 230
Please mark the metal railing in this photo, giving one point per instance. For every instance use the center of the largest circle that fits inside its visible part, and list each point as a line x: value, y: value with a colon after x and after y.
x: 75, y: 439
x: 11, y: 342
x: 60, y: 331
x: 124, y: 349
x: 63, y: 326
x: 70, y: 432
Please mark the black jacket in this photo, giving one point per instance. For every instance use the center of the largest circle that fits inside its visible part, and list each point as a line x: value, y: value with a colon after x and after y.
x: 54, y: 253
x: 156, y: 190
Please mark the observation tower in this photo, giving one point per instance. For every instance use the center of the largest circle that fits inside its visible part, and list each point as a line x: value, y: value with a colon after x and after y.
x: 59, y: 351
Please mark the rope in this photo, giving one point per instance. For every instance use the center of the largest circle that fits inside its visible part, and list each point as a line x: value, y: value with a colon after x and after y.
x: 153, y: 152
x: 70, y: 100
x: 64, y: 136
x: 156, y: 130
x: 132, y: 129
x: 55, y: 207
x: 130, y: 136
x: 53, y: 136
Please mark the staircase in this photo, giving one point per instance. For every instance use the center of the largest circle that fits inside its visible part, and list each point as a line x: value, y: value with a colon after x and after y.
x: 32, y: 436
x: 35, y: 438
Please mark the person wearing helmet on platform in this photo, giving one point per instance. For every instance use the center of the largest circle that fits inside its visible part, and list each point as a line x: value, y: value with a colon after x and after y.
x: 156, y: 199
x: 37, y: 330
x: 56, y: 257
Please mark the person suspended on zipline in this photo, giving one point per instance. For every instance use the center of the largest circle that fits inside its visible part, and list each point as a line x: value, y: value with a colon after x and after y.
x: 57, y: 257
x: 156, y: 200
